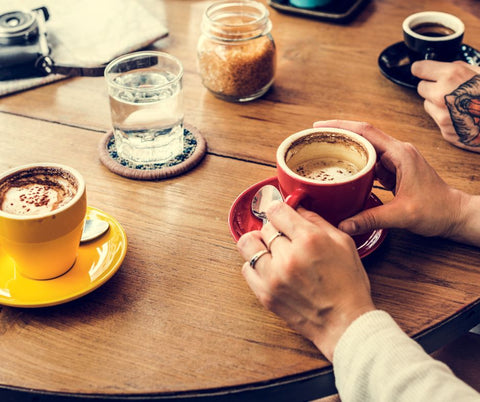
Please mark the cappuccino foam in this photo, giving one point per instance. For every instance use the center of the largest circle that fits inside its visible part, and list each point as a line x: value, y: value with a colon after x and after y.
x: 326, y: 169
x: 35, y: 192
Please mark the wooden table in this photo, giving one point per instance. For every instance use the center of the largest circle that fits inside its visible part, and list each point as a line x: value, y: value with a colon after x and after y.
x: 178, y: 320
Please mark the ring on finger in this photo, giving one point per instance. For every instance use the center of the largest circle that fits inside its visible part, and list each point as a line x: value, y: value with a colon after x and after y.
x: 269, y: 243
x: 257, y: 256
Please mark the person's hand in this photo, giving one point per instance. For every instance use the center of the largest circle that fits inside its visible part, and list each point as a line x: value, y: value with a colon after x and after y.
x: 449, y: 90
x: 312, y: 277
x: 423, y: 202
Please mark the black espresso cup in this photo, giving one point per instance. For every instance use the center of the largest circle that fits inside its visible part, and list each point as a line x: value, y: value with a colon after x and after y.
x: 433, y: 35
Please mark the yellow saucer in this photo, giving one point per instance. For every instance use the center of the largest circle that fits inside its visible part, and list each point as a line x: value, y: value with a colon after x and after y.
x: 96, y: 263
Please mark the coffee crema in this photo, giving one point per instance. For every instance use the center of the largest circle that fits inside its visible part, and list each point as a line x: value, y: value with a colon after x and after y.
x: 432, y: 29
x: 326, y: 169
x: 36, y: 191
x: 326, y: 157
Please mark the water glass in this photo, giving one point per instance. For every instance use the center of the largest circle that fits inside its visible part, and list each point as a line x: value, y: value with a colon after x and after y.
x: 146, y: 105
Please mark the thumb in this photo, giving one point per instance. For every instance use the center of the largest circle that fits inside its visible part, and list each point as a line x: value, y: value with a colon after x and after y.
x: 370, y: 219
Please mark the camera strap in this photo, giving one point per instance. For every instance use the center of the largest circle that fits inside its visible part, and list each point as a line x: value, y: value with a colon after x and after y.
x: 47, y: 66
x: 79, y: 71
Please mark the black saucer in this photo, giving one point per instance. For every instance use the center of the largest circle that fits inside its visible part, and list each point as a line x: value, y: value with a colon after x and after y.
x: 395, y: 64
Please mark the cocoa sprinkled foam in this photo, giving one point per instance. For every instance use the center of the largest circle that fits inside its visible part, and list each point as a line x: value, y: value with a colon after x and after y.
x: 36, y: 191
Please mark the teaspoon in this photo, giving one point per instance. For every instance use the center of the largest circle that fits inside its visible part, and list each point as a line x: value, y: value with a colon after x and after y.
x: 93, y: 228
x: 262, y: 199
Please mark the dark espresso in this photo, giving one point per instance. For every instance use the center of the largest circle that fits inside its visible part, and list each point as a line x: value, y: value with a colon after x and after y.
x: 432, y: 29
x: 36, y: 191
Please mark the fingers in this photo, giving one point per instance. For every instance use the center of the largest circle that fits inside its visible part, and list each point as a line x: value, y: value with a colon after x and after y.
x: 272, y: 238
x: 440, y: 78
x: 371, y: 219
x: 431, y: 91
x: 430, y: 70
x: 270, y: 299
x: 391, y: 153
x: 381, y: 141
x: 255, y: 282
x: 440, y: 115
x: 287, y: 220
x: 256, y: 248
x: 386, y: 176
x: 253, y: 249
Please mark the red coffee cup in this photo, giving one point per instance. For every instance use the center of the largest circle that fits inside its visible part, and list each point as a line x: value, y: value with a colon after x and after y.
x: 327, y: 170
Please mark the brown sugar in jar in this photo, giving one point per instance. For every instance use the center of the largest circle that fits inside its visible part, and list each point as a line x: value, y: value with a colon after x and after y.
x: 236, y: 53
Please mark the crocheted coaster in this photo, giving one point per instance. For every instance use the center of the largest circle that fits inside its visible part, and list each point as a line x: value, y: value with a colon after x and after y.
x: 194, y: 150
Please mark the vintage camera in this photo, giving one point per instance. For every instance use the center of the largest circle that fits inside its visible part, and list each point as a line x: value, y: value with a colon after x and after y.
x: 24, y: 50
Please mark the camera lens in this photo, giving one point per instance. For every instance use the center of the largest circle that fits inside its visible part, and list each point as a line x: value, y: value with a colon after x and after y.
x: 17, y: 27
x: 13, y: 22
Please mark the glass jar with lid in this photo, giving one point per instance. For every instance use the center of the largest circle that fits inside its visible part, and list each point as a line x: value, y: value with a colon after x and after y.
x: 236, y: 53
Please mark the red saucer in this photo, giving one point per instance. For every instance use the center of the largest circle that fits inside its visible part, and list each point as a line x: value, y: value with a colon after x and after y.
x: 241, y: 220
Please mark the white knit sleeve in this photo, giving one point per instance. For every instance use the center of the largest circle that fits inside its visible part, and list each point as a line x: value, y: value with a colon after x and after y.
x: 375, y: 360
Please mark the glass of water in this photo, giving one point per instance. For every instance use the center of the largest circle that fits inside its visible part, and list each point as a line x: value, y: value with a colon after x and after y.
x: 146, y: 104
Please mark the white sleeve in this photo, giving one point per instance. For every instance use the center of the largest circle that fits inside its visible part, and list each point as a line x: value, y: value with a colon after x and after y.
x: 375, y: 360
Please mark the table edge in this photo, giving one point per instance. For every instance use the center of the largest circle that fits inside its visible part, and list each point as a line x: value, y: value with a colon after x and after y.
x: 304, y: 386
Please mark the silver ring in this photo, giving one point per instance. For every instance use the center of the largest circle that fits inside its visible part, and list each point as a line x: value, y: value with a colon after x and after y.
x: 269, y: 243
x: 256, y: 257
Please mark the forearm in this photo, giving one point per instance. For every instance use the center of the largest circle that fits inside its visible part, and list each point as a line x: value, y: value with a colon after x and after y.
x: 467, y: 229
x: 376, y: 361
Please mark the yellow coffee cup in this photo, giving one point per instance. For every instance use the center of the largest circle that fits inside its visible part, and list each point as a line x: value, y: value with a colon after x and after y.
x: 42, y: 213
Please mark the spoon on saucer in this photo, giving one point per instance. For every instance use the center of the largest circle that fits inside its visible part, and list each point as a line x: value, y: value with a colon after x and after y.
x: 262, y: 199
x: 93, y: 228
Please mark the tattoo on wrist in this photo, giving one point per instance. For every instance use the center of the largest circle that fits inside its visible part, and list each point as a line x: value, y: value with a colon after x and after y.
x: 464, y: 107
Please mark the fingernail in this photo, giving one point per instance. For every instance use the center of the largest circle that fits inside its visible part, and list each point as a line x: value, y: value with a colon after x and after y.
x: 349, y: 227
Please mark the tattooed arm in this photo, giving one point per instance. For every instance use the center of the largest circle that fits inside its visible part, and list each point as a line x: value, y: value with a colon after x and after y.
x: 452, y: 98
